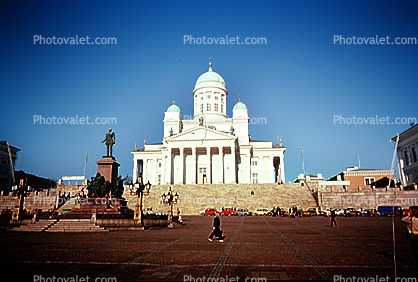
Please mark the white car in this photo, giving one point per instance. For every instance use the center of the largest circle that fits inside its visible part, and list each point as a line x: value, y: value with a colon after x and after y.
x: 243, y: 212
x: 261, y: 211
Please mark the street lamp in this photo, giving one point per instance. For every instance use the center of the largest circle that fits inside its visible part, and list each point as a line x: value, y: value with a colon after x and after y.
x: 21, y: 191
x: 170, y: 199
x: 140, y: 190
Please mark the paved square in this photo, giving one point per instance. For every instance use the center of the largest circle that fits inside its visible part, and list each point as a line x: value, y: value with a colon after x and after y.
x: 256, y: 247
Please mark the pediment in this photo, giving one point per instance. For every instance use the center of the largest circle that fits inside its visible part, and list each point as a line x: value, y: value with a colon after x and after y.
x: 200, y: 133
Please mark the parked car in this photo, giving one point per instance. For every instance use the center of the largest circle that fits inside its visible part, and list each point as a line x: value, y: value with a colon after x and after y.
x: 351, y: 212
x: 209, y: 211
x: 339, y: 212
x: 244, y: 212
x: 262, y: 211
x: 326, y: 213
x: 228, y: 211
x: 407, y: 212
x: 414, y: 209
x: 310, y: 212
x: 389, y: 210
x: 372, y: 212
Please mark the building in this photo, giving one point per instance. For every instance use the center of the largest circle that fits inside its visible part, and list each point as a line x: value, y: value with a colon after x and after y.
x: 210, y: 147
x: 364, y: 178
x: 309, y: 178
x: 8, y: 156
x: 407, y: 156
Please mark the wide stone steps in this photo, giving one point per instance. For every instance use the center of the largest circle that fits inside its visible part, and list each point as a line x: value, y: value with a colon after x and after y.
x: 196, y: 197
x: 38, y: 226
x: 75, y: 225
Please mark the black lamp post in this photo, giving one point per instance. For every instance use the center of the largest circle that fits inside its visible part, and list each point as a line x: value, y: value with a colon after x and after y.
x: 140, y: 190
x: 21, y: 191
x: 170, y: 199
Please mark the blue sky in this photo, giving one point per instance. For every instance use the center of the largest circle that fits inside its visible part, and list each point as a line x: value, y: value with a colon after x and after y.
x: 298, y: 81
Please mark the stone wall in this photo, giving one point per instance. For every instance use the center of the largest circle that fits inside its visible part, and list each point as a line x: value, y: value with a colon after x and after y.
x: 369, y: 198
x: 36, y: 200
x: 194, y: 198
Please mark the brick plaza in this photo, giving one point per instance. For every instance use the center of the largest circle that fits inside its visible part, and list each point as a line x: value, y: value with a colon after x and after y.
x: 274, y: 248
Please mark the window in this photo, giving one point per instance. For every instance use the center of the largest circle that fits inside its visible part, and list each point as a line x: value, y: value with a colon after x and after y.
x: 159, y: 164
x: 255, y: 178
x: 202, y: 170
x: 222, y: 108
x: 201, y: 108
x: 368, y: 180
x: 159, y: 179
x: 208, y: 97
x: 254, y: 163
x: 414, y: 154
x: 216, y: 107
x: 216, y: 97
x: 208, y: 107
x: 405, y: 155
x: 201, y: 97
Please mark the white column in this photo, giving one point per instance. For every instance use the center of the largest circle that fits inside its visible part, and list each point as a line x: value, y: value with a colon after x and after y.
x: 144, y: 171
x: 163, y: 168
x: 135, y: 172
x: 282, y: 169
x: 194, y: 165
x: 208, y: 168
x: 233, y: 165
x: 155, y: 171
x: 221, y: 165
x: 181, y: 181
x: 169, y: 166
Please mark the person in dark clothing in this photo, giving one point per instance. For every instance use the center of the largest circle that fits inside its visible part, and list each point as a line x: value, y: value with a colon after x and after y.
x: 333, y: 215
x: 217, y: 232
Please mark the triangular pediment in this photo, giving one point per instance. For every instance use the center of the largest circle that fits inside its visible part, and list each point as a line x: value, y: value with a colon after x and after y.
x: 199, y: 133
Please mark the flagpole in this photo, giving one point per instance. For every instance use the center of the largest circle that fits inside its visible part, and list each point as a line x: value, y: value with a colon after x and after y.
x: 85, y: 164
x: 303, y: 161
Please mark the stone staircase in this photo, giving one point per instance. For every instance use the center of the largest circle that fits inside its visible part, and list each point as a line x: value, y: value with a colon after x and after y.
x: 38, y: 226
x: 196, y: 197
x: 75, y: 225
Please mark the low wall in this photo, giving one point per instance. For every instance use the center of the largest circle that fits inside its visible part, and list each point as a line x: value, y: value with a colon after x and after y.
x: 369, y: 199
x: 36, y: 200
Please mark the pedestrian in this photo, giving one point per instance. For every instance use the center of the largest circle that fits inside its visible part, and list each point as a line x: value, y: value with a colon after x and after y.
x: 217, y: 232
x: 332, y: 215
x: 412, y: 233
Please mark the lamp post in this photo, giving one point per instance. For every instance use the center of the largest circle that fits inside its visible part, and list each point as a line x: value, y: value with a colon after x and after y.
x: 139, y: 189
x: 170, y: 199
x: 20, y: 192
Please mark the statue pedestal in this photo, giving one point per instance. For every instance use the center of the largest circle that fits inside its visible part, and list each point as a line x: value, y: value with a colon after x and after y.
x: 108, y: 168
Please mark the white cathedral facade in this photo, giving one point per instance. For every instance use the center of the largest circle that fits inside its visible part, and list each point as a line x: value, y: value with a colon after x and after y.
x: 210, y: 147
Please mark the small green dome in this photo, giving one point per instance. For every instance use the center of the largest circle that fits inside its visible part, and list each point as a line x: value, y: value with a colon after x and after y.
x: 173, y: 108
x: 240, y: 106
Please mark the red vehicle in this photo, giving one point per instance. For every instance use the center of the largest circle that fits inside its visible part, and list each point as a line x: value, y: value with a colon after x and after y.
x: 209, y: 211
x: 228, y: 211
x: 407, y: 212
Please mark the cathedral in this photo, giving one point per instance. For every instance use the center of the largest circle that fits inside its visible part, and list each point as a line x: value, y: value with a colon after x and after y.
x: 210, y: 147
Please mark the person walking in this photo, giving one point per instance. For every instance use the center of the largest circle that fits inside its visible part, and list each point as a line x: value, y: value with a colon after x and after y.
x: 412, y: 233
x: 332, y: 216
x: 217, y: 232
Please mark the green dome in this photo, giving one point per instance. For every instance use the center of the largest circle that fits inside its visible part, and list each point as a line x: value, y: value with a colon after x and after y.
x: 210, y: 76
x: 173, y: 108
x: 240, y: 106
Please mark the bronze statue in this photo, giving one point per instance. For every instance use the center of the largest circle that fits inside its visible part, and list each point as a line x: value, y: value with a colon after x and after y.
x: 109, y: 141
